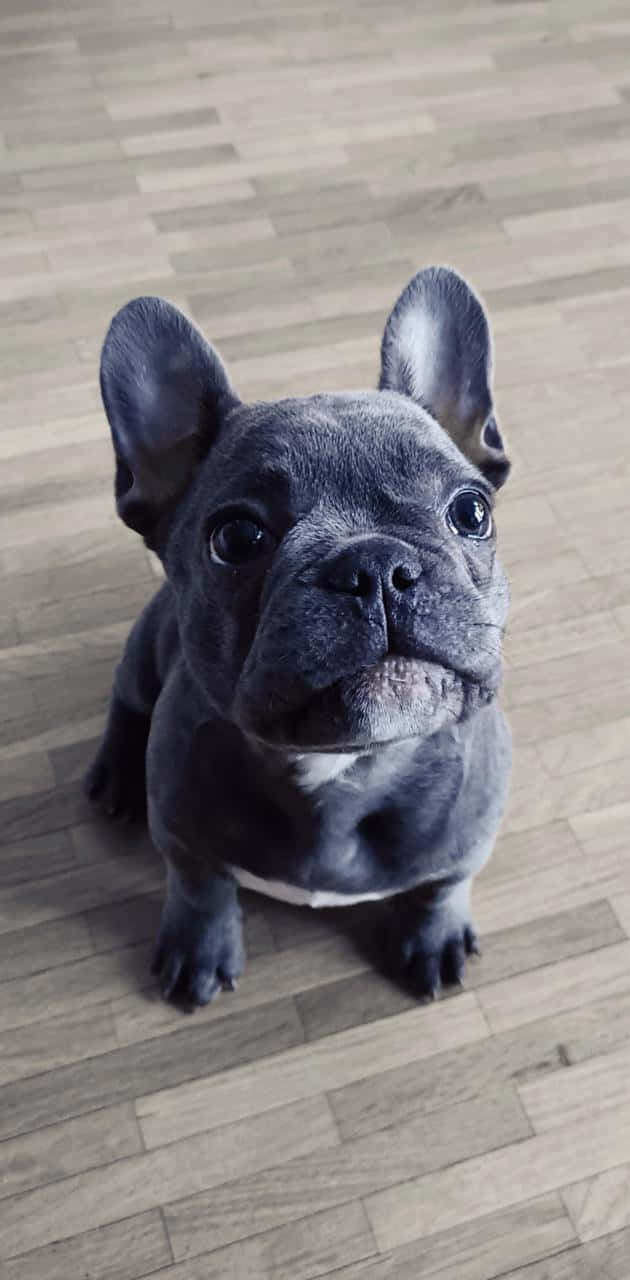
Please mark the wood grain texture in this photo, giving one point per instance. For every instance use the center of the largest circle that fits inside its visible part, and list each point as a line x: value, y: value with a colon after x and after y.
x: 600, y: 1204
x: 499, y: 1179
x: 476, y: 1250
x: 312, y: 1246
x: 49, y: 1155
x: 133, y: 1247
x: 120, y: 1075
x: 335, y: 1060
x: 138, y: 1182
x: 332, y: 1177
x: 279, y: 170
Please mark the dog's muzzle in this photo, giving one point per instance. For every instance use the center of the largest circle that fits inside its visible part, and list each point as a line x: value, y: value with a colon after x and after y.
x: 397, y: 698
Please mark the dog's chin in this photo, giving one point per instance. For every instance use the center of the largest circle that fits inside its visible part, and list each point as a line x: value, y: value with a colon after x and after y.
x: 397, y: 699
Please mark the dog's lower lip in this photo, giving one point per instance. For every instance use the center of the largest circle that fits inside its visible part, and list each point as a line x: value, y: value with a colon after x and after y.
x: 392, y: 700
x: 413, y: 680
x: 399, y: 670
x: 394, y: 669
x: 348, y: 748
x: 391, y: 670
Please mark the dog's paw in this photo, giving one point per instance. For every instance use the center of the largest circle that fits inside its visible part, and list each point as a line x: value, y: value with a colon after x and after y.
x: 435, y: 954
x: 117, y: 785
x: 116, y: 780
x: 196, y: 957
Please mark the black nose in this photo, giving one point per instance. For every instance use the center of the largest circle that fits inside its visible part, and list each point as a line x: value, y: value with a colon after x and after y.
x: 367, y: 567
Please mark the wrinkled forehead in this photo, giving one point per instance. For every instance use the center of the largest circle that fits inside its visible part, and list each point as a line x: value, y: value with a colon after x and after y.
x: 335, y: 446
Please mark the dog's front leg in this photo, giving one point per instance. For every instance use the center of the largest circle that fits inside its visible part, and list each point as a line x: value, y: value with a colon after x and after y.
x: 434, y: 935
x: 200, y: 948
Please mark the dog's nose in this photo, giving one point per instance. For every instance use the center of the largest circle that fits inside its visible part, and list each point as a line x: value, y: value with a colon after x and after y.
x: 365, y: 569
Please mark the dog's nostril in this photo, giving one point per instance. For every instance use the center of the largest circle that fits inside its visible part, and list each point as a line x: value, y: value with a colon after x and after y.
x: 404, y: 577
x: 362, y: 585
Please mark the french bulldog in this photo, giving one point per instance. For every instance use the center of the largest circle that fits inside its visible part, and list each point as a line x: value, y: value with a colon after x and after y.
x: 309, y: 703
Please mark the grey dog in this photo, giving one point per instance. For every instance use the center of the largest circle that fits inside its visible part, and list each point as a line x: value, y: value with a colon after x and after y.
x: 308, y: 705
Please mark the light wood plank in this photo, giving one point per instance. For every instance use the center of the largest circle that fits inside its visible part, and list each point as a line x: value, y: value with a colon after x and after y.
x: 532, y: 1052
x: 30, y: 951
x: 83, y: 982
x: 570, y: 752
x: 603, y: 830
x: 499, y: 1179
x: 302, y: 1073
x: 621, y: 908
x: 601, y: 1204
x: 311, y: 1247
x: 49, y: 1155
x: 477, y: 1250
x: 557, y: 987
x: 580, y: 792
x: 82, y: 887
x: 521, y: 898
x: 55, y: 1043
x: 119, y: 1074
x: 334, y: 1176
x: 136, y: 1183
x: 125, y: 1250
x: 606, y: 1258
x: 602, y: 1080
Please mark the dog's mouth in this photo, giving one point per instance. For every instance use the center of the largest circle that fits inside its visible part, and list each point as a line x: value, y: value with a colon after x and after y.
x: 397, y: 698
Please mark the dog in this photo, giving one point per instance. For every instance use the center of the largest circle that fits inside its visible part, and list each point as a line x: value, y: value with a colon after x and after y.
x: 308, y: 706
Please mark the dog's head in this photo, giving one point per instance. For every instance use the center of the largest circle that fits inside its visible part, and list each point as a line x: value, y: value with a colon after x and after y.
x: 333, y: 557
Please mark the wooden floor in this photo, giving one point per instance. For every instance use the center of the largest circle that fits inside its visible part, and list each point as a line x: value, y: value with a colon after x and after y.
x: 279, y: 168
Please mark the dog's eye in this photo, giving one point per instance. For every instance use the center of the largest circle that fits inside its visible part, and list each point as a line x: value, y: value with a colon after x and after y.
x: 469, y: 515
x: 238, y: 541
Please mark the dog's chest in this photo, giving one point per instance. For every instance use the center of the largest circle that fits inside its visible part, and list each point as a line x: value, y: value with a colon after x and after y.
x: 312, y: 772
x: 329, y: 832
x: 355, y: 851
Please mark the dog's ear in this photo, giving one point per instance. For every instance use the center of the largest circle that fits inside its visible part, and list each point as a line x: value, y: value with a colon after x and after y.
x: 165, y: 393
x: 436, y: 349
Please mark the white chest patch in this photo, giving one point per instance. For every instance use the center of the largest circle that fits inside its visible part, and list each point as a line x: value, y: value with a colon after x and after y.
x: 300, y: 897
x: 314, y: 768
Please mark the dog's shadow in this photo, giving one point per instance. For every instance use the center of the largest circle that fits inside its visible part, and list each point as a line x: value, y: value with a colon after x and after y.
x: 374, y: 987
